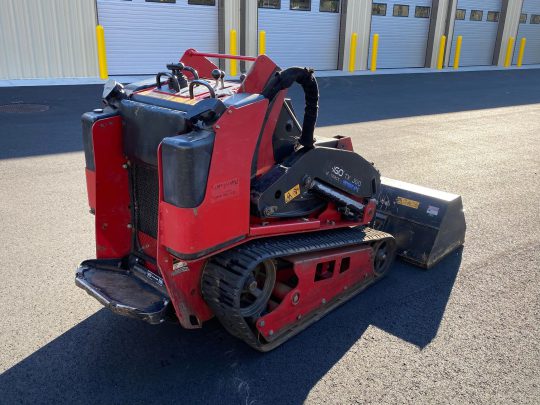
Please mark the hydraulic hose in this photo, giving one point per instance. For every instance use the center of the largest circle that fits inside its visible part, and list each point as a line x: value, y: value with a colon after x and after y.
x: 304, y: 77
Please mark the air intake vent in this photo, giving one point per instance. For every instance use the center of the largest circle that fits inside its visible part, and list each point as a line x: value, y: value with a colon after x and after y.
x: 146, y: 194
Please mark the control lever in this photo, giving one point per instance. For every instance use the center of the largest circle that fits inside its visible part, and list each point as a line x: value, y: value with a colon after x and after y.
x: 176, y: 69
x: 217, y: 75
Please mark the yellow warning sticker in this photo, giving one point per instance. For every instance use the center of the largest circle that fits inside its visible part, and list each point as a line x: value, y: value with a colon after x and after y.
x: 168, y: 97
x: 408, y: 203
x: 292, y: 193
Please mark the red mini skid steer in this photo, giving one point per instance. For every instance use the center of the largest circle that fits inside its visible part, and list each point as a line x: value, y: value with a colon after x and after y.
x: 210, y: 199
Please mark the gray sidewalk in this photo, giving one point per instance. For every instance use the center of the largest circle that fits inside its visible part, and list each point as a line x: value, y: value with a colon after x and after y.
x: 324, y: 73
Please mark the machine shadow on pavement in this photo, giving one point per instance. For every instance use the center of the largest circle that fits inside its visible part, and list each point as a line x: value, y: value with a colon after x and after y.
x: 111, y: 359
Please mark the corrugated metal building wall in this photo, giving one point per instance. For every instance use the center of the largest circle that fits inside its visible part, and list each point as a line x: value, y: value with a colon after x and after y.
x: 301, y: 37
x: 52, y: 38
x: 403, y: 33
x: 56, y: 38
x: 478, y: 23
x: 142, y: 36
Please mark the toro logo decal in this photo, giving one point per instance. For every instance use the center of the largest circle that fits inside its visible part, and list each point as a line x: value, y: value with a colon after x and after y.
x: 292, y: 193
x: 226, y: 189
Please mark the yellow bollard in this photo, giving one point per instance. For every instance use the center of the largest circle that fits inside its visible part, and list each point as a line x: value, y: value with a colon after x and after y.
x: 102, y: 54
x: 457, y: 52
x: 352, y: 53
x: 262, y: 42
x: 509, y: 52
x: 442, y: 46
x: 374, y: 52
x: 232, y: 51
x: 522, y: 44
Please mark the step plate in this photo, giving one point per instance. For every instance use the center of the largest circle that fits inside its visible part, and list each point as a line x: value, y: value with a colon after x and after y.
x: 129, y: 292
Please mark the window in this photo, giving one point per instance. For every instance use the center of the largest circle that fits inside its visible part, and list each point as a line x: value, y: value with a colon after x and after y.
x: 422, y: 12
x: 160, y: 1
x: 493, y: 16
x: 535, y: 19
x: 202, y: 2
x: 401, y: 10
x: 329, y: 6
x: 460, y: 14
x: 476, y: 15
x: 301, y: 5
x: 523, y: 18
x: 270, y: 4
x: 378, y: 9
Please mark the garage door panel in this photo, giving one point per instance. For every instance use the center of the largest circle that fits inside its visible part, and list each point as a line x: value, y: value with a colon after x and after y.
x: 402, y: 40
x: 479, y: 37
x: 142, y: 37
x: 301, y: 38
x: 531, y: 32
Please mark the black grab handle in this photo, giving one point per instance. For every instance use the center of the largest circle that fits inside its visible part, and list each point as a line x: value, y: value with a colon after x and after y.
x: 172, y: 78
x: 304, y: 77
x: 202, y: 83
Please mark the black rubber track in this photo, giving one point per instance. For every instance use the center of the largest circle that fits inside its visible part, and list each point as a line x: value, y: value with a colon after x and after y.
x: 224, y: 276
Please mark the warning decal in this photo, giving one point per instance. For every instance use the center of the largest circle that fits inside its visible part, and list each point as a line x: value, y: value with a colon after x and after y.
x: 407, y: 203
x: 292, y: 193
x: 168, y: 97
x: 434, y: 211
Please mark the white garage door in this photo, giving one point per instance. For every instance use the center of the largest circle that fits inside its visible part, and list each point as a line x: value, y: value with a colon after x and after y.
x: 301, y: 32
x: 403, y: 28
x: 529, y: 28
x: 142, y: 36
x: 477, y: 21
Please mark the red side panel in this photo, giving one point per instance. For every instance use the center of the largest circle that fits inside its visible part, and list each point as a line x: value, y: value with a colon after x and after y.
x: 224, y: 214
x: 113, y: 237
x: 91, y: 188
x: 322, y: 277
x: 183, y: 282
x: 285, y: 227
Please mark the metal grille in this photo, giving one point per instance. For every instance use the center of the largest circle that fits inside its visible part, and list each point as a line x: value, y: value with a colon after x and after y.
x: 146, y: 194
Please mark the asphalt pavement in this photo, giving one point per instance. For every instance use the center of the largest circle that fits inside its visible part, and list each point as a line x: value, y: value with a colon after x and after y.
x: 466, y: 331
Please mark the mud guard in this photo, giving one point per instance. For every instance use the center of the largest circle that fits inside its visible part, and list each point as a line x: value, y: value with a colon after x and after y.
x: 427, y: 224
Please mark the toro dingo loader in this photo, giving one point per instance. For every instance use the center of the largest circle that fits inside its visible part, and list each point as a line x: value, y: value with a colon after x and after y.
x: 212, y: 200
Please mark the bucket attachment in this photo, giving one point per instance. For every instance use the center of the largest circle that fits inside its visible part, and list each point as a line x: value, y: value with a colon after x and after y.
x: 427, y: 224
x: 132, y: 291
